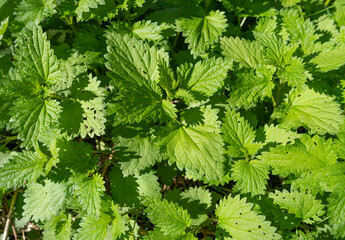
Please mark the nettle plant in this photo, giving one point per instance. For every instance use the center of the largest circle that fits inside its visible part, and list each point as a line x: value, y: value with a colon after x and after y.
x: 172, y: 119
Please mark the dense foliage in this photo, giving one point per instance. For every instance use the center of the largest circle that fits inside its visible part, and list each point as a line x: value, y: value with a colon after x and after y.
x: 172, y: 119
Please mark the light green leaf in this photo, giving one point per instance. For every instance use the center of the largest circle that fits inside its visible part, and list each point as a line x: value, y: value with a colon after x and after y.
x: 304, y: 206
x: 275, y: 134
x: 132, y: 60
x: 206, y: 76
x: 42, y: 202
x: 330, y: 59
x: 202, y: 32
x: 58, y: 228
x: 198, y: 150
x: 250, y: 176
x: 23, y: 167
x: 34, y: 57
x: 241, y: 222
x: 85, y: 5
x: 247, y: 53
x: 147, y: 30
x: 89, y: 192
x: 306, y: 154
x: 32, y: 118
x: 148, y: 186
x: 251, y: 87
x: 109, y: 225
x: 240, y: 136
x: 29, y: 11
x: 137, y: 153
x: 336, y: 212
x: 315, y: 111
x: 169, y: 217
x: 3, y: 27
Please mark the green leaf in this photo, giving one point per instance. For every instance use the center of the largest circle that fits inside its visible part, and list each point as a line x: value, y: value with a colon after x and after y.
x: 34, y: 57
x: 169, y: 217
x: 336, y: 212
x: 315, y: 111
x: 300, y: 31
x: 196, y: 200
x: 132, y: 60
x: 304, y: 206
x: 43, y: 201
x: 29, y: 11
x: 247, y: 53
x: 250, y: 176
x: 241, y: 222
x: 23, y: 167
x: 148, y: 186
x: 76, y: 157
x: 137, y: 78
x: 3, y: 27
x: 32, y: 118
x: 124, y: 189
x: 137, y: 153
x: 147, y: 30
x: 251, y: 87
x: 58, y: 228
x: 202, y: 32
x: 89, y: 192
x: 109, y: 225
x: 198, y: 150
x: 205, y: 77
x: 330, y: 59
x: 85, y: 5
x: 240, y: 136
x: 306, y: 154
x: 276, y: 51
x: 275, y: 134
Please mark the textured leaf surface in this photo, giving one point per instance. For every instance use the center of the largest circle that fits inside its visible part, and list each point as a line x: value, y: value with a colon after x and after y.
x: 58, y: 228
x: 33, y: 118
x: 169, y: 217
x: 279, y: 135
x: 205, y: 76
x: 304, y: 206
x: 21, y: 168
x: 330, y: 60
x: 137, y: 153
x: 251, y: 177
x: 241, y: 222
x: 240, y: 136
x: 89, y: 192
x: 203, y: 32
x: 305, y: 155
x: 198, y: 150
x: 252, y: 87
x: 336, y: 209
x: 109, y: 225
x: 315, y: 111
x: 44, y: 201
x: 241, y: 50
x: 34, y: 10
x: 34, y: 57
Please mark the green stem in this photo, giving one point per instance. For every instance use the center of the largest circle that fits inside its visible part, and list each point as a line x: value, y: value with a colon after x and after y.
x: 55, y: 96
x: 8, y: 138
x: 323, y: 10
x: 175, y: 41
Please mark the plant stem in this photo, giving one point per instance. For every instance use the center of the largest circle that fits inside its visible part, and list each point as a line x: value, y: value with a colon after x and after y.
x: 175, y: 41
x: 243, y: 20
x: 8, y: 220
